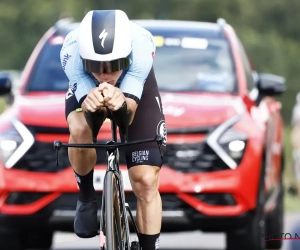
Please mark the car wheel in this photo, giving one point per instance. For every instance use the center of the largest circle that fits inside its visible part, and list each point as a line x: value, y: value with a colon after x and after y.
x: 250, y: 237
x: 38, y: 239
x: 274, y: 224
x: 11, y: 241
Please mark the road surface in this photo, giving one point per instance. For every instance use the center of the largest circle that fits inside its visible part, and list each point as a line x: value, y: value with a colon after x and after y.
x: 170, y: 241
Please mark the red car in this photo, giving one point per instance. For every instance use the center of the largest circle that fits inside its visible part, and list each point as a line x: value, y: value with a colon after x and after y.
x: 224, y: 162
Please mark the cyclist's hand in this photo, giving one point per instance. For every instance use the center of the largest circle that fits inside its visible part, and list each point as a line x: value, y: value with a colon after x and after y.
x: 113, y: 96
x: 93, y: 101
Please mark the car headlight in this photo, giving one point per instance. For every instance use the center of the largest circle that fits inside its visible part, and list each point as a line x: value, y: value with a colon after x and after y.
x: 228, y: 143
x: 234, y: 143
x: 15, y: 141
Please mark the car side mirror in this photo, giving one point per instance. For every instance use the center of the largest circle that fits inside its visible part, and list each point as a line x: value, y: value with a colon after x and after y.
x: 270, y: 85
x: 5, y: 84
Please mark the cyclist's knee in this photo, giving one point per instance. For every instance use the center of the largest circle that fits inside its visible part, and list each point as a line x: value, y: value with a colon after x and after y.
x: 144, y: 181
x: 80, y: 131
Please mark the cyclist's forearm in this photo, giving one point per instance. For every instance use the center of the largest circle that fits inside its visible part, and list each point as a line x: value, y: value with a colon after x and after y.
x: 132, y: 106
x: 95, y: 120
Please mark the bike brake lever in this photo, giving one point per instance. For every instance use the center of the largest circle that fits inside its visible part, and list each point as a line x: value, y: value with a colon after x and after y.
x: 57, y: 147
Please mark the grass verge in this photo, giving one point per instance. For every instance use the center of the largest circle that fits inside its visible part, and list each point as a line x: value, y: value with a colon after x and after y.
x: 292, y: 198
x: 2, y: 104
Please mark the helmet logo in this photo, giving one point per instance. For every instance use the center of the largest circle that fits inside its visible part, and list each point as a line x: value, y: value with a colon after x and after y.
x: 102, y: 36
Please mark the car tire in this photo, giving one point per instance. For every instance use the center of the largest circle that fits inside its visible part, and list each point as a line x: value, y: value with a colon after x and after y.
x: 11, y: 241
x: 38, y: 239
x: 250, y: 237
x: 274, y: 223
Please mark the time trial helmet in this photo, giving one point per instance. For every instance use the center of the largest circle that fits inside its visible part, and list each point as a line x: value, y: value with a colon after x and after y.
x: 104, y: 40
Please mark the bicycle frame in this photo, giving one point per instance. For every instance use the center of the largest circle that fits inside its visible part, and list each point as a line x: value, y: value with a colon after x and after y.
x: 113, y: 166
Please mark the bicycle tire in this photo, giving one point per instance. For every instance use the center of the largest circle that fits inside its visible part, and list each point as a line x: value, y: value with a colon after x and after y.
x: 112, y: 213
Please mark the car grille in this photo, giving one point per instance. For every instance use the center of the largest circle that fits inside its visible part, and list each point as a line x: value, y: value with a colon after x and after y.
x: 41, y: 157
x: 193, y: 158
x: 170, y: 202
x: 186, y: 158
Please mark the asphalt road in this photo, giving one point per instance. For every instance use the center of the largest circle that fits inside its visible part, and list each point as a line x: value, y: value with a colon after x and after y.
x: 170, y: 241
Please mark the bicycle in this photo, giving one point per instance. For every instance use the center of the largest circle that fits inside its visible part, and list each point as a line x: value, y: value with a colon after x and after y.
x: 114, y: 223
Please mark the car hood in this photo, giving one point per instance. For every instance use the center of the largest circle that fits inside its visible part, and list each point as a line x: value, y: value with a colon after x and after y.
x: 180, y: 109
x: 199, y: 110
x: 41, y: 109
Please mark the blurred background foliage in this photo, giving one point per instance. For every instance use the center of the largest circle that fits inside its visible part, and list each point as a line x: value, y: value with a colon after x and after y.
x: 269, y: 29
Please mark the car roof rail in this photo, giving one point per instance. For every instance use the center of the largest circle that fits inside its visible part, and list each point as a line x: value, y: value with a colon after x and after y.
x: 62, y: 22
x: 222, y: 23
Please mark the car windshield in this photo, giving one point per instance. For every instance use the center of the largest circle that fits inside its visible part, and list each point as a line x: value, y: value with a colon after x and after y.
x: 182, y: 63
x: 48, y: 74
x: 194, y: 64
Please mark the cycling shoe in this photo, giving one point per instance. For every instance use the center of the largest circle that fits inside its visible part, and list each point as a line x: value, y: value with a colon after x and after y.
x: 85, y: 222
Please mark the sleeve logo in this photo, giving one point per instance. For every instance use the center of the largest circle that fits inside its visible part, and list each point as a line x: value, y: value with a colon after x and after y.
x: 162, y: 130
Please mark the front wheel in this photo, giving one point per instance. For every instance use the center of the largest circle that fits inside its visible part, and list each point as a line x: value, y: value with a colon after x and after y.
x: 10, y: 240
x: 250, y: 237
x: 38, y: 239
x: 275, y: 221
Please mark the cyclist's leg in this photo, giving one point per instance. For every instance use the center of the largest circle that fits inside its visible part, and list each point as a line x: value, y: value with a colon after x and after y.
x: 144, y: 164
x: 144, y: 179
x: 144, y: 176
x: 82, y: 161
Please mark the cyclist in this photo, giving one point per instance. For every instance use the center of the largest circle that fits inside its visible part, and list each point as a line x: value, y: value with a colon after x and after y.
x: 108, y: 60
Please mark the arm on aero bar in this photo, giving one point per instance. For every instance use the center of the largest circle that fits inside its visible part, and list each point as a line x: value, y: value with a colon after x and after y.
x: 122, y: 118
x: 95, y: 121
